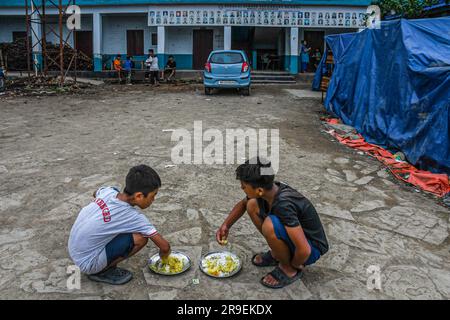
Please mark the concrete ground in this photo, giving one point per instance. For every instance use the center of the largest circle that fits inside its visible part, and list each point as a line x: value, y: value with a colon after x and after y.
x: 55, y: 151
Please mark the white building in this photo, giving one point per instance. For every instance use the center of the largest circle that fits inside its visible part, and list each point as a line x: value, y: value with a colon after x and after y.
x: 189, y: 30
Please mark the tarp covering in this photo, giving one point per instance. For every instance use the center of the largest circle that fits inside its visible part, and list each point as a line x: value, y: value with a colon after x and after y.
x: 436, y: 183
x: 393, y: 85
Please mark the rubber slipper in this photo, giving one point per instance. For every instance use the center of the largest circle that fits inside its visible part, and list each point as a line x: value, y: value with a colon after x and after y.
x: 282, y: 278
x: 115, y: 276
x: 266, y: 260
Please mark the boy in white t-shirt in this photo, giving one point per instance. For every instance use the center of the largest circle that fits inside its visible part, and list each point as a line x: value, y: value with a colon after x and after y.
x: 110, y: 229
x: 153, y: 67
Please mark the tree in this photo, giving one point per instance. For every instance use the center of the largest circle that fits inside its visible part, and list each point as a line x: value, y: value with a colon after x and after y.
x: 411, y: 9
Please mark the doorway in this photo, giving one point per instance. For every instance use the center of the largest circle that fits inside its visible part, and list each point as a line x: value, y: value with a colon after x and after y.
x: 135, y: 42
x: 315, y: 40
x: 83, y: 42
x: 202, y: 47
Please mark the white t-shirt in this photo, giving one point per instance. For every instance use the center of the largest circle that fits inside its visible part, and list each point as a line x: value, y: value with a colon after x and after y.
x: 154, y: 64
x: 148, y: 62
x: 100, y: 222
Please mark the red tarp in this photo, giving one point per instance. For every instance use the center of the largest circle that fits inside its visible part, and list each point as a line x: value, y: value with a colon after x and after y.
x: 437, y: 184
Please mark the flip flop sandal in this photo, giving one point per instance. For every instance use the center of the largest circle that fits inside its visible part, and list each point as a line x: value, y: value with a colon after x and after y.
x: 115, y: 276
x: 267, y: 260
x: 282, y: 279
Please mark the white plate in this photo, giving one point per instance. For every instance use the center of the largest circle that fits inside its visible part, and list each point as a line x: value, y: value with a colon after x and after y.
x: 155, y: 260
x: 221, y: 256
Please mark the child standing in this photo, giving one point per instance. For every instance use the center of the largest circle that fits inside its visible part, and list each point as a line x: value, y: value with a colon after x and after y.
x: 110, y: 229
x: 286, y: 219
x: 154, y: 69
x: 117, y: 65
x: 128, y: 65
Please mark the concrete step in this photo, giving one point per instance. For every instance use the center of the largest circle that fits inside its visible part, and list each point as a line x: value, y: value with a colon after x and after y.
x: 258, y: 72
x: 305, y: 77
x: 274, y: 82
x: 273, y: 77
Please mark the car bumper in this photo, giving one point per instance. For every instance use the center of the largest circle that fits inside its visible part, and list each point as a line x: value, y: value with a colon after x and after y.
x: 226, y: 82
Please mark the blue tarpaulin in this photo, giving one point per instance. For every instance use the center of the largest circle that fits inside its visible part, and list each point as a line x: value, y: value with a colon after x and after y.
x: 393, y: 85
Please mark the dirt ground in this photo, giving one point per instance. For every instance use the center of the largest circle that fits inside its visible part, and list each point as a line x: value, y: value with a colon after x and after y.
x: 55, y: 151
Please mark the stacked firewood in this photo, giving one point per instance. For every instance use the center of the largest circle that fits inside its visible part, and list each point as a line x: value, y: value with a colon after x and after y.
x: 15, y: 57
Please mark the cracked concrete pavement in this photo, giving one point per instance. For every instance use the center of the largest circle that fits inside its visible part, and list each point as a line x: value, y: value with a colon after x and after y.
x: 55, y: 151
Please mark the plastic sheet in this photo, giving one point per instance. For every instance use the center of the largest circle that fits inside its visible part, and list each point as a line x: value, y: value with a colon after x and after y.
x: 393, y: 85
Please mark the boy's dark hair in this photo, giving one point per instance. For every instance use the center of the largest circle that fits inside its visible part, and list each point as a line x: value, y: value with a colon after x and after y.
x: 143, y: 179
x: 250, y: 172
x: 170, y: 56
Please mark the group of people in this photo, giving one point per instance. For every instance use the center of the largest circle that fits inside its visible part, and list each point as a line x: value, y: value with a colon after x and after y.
x: 110, y: 229
x: 309, y: 57
x: 152, y: 70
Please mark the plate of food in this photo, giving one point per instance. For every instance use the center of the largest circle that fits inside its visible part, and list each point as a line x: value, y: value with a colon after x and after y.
x: 175, y: 263
x: 220, y: 264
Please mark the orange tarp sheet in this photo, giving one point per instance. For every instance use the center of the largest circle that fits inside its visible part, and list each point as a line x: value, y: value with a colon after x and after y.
x: 437, y: 184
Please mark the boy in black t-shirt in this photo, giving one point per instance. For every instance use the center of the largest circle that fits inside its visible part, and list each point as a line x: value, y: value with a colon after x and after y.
x: 286, y: 219
x: 170, y: 69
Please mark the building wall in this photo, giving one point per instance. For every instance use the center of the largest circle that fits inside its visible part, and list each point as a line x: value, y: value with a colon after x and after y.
x: 10, y: 24
x: 86, y: 25
x: 115, y: 32
x: 179, y: 42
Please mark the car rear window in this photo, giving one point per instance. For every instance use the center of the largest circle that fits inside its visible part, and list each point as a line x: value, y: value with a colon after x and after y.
x: 226, y: 58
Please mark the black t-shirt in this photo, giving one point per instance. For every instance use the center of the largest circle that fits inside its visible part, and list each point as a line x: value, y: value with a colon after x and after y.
x: 293, y: 210
x: 171, y: 64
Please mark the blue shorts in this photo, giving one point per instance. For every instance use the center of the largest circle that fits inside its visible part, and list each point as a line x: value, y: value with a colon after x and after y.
x: 119, y: 247
x: 281, y: 233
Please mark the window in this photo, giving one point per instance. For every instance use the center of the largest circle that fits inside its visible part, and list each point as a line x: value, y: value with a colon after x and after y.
x: 154, y: 39
x: 227, y: 58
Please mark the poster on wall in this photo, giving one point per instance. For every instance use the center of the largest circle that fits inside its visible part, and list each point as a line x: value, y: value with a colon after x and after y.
x: 254, y: 16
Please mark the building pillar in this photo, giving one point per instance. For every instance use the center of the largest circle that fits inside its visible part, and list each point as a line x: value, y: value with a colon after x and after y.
x: 36, y: 37
x: 294, y: 48
x: 97, y: 38
x: 227, y: 38
x: 255, y: 59
x: 287, y: 49
x: 161, y: 50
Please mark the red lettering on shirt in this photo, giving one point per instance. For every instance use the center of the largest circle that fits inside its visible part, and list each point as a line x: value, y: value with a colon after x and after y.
x: 105, y: 210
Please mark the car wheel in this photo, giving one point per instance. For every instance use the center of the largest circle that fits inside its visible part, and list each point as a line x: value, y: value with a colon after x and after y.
x: 208, y: 91
x: 246, y: 91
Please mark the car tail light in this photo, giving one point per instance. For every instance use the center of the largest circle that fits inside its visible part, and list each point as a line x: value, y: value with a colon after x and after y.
x: 245, y: 67
x: 208, y: 67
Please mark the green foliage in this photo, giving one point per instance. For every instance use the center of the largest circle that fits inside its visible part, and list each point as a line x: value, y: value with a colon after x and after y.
x: 411, y: 9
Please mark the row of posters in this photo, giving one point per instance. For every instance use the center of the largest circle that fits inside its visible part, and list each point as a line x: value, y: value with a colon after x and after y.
x: 257, y: 17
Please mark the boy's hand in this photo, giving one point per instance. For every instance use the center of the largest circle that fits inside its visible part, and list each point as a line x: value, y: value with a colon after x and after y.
x: 222, y: 234
x: 163, y: 245
x: 164, y: 255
